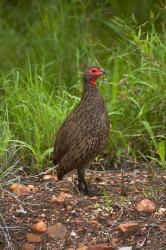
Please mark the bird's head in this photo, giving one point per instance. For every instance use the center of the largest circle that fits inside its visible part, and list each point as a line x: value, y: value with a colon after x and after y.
x: 91, y: 75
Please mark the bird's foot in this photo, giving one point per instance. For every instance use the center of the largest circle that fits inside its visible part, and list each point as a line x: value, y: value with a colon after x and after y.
x: 85, y: 189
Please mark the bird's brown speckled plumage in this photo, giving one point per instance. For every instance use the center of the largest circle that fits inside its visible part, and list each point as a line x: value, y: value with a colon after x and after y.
x: 84, y: 133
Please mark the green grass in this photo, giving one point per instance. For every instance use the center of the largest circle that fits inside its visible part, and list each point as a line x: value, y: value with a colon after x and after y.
x: 44, y: 47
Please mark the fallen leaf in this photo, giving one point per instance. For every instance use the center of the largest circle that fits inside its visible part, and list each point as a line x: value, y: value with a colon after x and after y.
x: 28, y: 246
x: 128, y: 227
x: 146, y: 206
x: 58, y: 231
x: 39, y: 227
x: 103, y: 246
x: 32, y: 237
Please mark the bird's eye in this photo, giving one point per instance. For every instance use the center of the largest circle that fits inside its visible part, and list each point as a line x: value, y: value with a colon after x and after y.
x: 93, y: 71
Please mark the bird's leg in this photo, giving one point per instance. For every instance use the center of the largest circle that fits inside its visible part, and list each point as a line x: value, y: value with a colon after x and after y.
x: 82, y: 184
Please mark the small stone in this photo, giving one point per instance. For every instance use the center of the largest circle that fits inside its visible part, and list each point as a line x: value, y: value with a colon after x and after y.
x: 58, y: 231
x: 82, y: 248
x: 128, y: 227
x: 73, y: 234
x: 20, y: 189
x: 50, y: 177
x: 61, y: 197
x: 42, y: 216
x: 84, y: 203
x: 39, y: 227
x: 110, y: 223
x: 146, y: 206
x: 32, y: 237
x: 103, y: 246
x: 162, y: 228
x: 161, y: 210
x: 94, y: 222
x: 69, y: 207
x: 20, y: 210
x: 125, y: 248
x: 31, y: 188
x: 28, y: 246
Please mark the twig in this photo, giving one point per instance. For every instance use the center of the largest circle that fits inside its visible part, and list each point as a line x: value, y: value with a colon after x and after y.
x: 6, y: 234
x: 18, y: 200
x: 159, y: 179
x: 120, y: 216
x: 10, y: 228
x: 14, y: 196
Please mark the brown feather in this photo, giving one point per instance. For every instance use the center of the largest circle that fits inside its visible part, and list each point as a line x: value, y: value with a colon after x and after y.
x: 83, y: 135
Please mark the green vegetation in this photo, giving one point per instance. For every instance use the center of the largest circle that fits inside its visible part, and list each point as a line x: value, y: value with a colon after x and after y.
x: 45, y: 45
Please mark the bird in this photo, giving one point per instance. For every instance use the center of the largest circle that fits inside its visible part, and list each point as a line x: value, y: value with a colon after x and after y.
x: 84, y: 133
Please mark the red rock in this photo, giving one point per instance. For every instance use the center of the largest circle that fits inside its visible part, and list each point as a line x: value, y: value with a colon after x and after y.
x: 28, y: 246
x: 58, y: 231
x: 102, y: 246
x: 32, y: 237
x: 21, y: 189
x: 69, y: 207
x: 128, y: 227
x: 39, y: 227
x: 146, y: 206
x: 61, y: 197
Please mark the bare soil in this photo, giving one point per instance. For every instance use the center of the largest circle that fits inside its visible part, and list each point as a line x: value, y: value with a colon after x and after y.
x: 87, y: 220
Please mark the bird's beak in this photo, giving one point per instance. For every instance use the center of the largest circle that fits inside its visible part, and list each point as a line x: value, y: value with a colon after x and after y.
x: 104, y: 72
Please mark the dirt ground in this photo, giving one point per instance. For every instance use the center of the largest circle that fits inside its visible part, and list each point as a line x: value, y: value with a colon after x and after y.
x: 76, y: 221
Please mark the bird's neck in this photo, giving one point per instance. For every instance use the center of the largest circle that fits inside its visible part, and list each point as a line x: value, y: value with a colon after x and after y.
x: 89, y: 89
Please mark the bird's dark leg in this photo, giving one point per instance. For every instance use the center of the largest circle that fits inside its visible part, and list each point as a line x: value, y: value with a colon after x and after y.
x: 82, y: 184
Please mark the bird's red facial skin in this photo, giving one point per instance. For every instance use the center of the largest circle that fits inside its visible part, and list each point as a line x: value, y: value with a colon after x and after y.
x: 94, y: 73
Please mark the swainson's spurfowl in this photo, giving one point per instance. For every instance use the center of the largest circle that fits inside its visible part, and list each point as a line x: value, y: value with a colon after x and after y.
x: 84, y: 133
